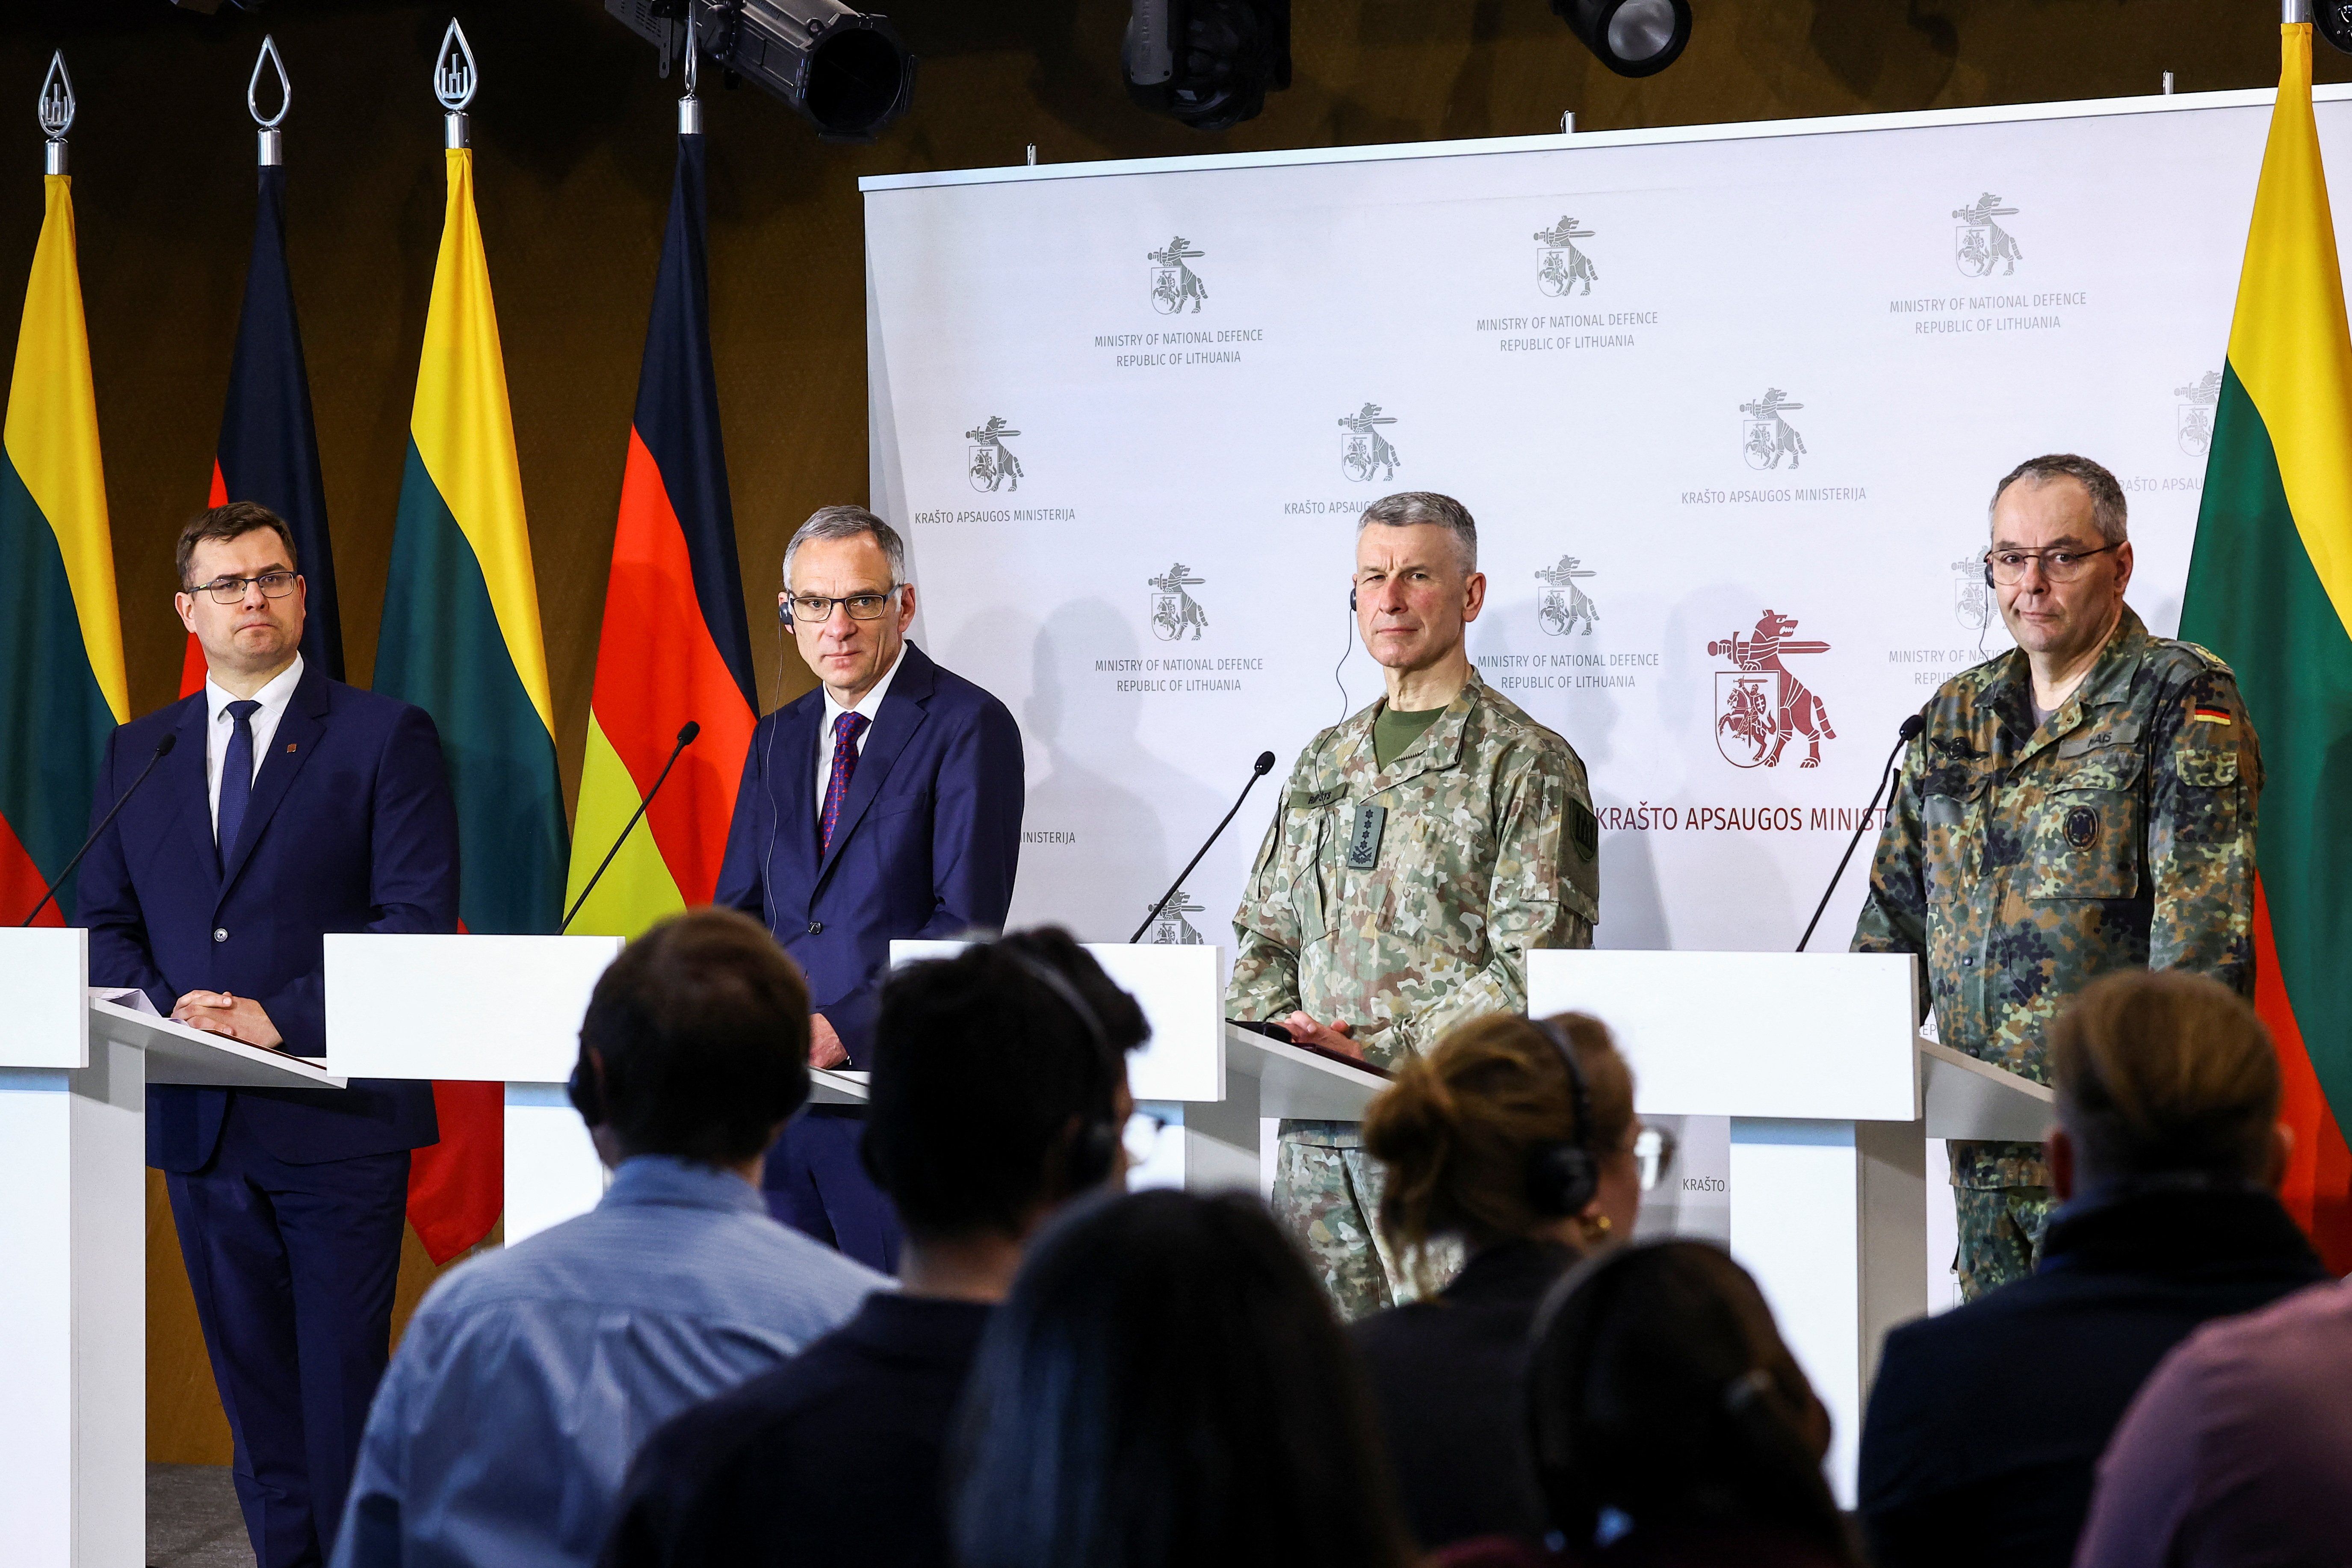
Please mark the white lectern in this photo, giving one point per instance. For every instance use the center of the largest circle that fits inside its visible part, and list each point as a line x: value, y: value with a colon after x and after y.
x: 1814, y: 1059
x: 73, y: 1253
x: 497, y: 1009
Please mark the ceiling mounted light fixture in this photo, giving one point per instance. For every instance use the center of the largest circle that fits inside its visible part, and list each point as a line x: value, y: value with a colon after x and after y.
x: 1632, y: 37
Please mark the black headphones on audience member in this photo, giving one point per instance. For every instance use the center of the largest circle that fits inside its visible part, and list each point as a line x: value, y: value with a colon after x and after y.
x: 585, y: 1090
x: 1093, y: 1151
x: 1563, y: 1174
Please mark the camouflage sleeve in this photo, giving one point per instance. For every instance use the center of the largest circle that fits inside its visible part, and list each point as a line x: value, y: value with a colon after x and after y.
x: 1543, y: 892
x: 1894, y: 912
x: 2205, y: 779
x: 1264, y: 983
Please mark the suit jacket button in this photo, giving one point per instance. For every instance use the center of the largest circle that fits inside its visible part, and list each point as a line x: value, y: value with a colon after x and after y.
x: 220, y: 933
x: 816, y: 928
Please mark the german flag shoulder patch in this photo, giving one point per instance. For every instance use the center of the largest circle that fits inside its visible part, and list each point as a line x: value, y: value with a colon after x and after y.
x: 2202, y: 714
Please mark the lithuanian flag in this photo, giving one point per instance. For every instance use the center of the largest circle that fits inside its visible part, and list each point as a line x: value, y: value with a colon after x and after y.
x: 675, y: 646
x: 460, y: 638
x: 2270, y: 589
x: 61, y: 682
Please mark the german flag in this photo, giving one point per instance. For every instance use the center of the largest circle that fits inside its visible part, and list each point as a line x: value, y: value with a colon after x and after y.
x: 2270, y: 589
x: 675, y: 647
x: 268, y: 449
x: 461, y: 639
x: 62, y: 690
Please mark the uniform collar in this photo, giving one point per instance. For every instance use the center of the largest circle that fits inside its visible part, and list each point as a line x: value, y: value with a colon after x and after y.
x: 2108, y: 680
x: 1439, y: 747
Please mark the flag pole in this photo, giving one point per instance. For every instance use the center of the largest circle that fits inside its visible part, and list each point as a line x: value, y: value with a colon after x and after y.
x: 272, y: 150
x: 57, y: 110
x: 689, y: 107
x: 2292, y: 12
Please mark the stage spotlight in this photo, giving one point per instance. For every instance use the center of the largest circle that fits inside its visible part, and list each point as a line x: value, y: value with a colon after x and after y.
x: 846, y: 70
x: 1632, y: 37
x: 1209, y: 63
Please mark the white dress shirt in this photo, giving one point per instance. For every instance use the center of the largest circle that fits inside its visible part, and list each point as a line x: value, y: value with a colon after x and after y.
x: 273, y: 698
x: 868, y: 706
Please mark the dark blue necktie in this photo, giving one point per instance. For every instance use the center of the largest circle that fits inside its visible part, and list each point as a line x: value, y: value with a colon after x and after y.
x: 236, y: 778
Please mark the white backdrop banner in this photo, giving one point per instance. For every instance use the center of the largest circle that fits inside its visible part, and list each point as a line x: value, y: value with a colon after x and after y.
x: 1728, y: 403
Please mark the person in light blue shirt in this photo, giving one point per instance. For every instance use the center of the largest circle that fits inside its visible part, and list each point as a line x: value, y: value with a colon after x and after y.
x: 529, y: 1377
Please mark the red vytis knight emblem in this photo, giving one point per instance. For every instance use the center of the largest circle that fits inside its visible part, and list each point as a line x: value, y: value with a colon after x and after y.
x: 1760, y: 703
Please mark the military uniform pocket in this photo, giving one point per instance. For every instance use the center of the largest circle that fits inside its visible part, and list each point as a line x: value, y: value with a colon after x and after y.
x: 2208, y: 769
x: 2086, y: 845
x: 1945, y: 806
x: 1303, y: 846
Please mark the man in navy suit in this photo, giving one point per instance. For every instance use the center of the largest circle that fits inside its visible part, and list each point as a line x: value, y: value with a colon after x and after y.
x: 290, y: 806
x: 884, y: 804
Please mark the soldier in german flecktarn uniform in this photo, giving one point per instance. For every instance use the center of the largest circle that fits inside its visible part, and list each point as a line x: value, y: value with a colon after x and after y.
x: 1424, y: 847
x: 2082, y: 804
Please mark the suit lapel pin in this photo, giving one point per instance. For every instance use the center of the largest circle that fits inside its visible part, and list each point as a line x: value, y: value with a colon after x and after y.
x: 291, y: 744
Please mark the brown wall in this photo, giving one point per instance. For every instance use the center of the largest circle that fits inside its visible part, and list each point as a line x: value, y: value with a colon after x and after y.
x: 573, y: 156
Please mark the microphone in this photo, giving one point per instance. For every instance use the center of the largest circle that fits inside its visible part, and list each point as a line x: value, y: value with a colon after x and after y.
x: 163, y: 748
x: 685, y: 738
x: 1258, y: 770
x: 1910, y: 731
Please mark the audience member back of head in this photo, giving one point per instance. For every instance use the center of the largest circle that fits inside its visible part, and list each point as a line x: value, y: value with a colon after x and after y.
x: 999, y: 1091
x: 1166, y: 1387
x: 1985, y: 1423
x: 1670, y: 1424
x: 1493, y: 1141
x: 530, y: 1375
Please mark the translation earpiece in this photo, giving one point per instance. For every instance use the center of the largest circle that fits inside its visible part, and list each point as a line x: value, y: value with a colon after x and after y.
x: 1562, y: 1176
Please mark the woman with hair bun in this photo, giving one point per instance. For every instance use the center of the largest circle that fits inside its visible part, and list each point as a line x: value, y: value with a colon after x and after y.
x: 1512, y: 1141
x: 1670, y: 1426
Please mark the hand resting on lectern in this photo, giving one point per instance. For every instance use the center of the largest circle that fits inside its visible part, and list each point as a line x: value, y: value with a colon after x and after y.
x: 222, y: 1012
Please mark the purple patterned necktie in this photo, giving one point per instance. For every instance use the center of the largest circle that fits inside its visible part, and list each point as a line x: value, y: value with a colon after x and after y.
x: 845, y: 730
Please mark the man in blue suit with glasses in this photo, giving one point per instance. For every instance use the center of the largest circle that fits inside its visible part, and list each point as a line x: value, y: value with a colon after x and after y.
x: 885, y: 804
x: 290, y: 805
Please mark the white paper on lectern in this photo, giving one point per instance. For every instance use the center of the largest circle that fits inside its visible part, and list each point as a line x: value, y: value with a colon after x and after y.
x: 1178, y: 989
x: 125, y: 996
x: 1808, y: 1036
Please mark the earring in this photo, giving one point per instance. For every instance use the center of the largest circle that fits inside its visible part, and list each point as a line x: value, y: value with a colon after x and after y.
x: 1595, y: 1226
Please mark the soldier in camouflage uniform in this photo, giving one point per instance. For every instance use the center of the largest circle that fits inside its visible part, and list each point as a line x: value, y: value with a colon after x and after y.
x: 1421, y: 848
x: 2083, y: 804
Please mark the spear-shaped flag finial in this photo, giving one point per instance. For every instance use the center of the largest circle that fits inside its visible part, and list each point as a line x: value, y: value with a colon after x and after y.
x: 455, y: 79
x: 272, y: 153
x: 56, y: 111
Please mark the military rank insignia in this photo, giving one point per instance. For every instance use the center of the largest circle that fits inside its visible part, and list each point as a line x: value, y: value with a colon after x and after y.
x: 1364, y: 837
x: 2082, y: 827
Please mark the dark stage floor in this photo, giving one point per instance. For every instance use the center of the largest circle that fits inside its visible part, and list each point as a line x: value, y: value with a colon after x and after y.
x: 192, y: 1518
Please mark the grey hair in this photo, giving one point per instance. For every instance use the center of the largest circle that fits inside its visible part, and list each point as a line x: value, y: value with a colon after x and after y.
x: 848, y: 522
x: 2107, y: 508
x: 1411, y: 509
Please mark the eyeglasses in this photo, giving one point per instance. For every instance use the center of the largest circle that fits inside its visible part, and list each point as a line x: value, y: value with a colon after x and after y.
x: 2058, y: 565
x: 231, y: 590
x: 815, y: 608
x: 1654, y: 1155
